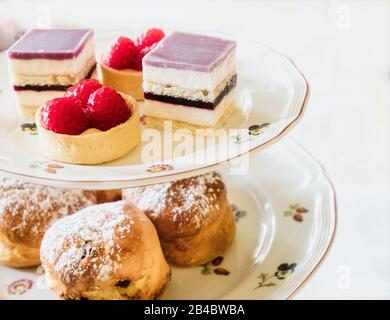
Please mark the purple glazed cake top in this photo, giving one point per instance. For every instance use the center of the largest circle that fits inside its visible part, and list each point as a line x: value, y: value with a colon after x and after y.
x: 188, y: 51
x: 54, y: 44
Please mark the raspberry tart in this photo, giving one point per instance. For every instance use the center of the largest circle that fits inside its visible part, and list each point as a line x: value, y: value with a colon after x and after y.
x: 91, y: 124
x: 121, y: 65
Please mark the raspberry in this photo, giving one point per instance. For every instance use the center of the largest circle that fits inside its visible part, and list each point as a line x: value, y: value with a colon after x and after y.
x: 82, y: 90
x: 64, y: 115
x: 149, y: 37
x: 106, y: 109
x: 136, y: 63
x: 120, y: 54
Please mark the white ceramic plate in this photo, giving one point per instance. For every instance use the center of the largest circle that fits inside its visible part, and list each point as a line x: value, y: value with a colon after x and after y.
x: 270, y: 90
x: 286, y: 219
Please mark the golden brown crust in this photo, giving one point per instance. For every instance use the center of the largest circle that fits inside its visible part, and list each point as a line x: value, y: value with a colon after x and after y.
x: 26, y: 211
x: 192, y: 217
x: 17, y: 255
x: 204, y: 246
x: 180, y: 208
x: 90, y: 254
x: 104, y: 196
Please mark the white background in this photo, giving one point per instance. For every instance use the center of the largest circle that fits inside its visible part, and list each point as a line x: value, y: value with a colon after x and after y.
x: 343, y: 47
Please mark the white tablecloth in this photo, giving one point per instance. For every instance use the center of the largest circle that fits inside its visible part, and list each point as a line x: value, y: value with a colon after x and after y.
x: 343, y: 47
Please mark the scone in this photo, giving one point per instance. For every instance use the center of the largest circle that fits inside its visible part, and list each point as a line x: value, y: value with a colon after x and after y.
x: 104, y: 196
x: 192, y: 217
x: 105, y: 252
x: 120, y: 66
x: 27, y: 211
x: 90, y: 125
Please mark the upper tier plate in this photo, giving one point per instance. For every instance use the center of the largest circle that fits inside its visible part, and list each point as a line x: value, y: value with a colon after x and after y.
x: 271, y: 93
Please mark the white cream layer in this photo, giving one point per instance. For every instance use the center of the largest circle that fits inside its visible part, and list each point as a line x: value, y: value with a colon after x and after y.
x: 32, y: 98
x: 197, y: 116
x: 189, y: 79
x: 53, y: 79
x: 48, y: 66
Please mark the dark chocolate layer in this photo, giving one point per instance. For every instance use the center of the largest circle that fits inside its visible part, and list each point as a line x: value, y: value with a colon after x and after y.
x: 195, y: 103
x: 41, y: 88
x: 50, y: 87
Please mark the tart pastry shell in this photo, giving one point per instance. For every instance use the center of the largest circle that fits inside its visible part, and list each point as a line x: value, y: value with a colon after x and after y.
x: 127, y: 81
x: 92, y: 146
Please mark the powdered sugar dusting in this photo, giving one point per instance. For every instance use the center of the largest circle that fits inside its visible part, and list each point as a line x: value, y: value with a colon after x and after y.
x: 86, y: 244
x: 28, y: 209
x: 189, y: 200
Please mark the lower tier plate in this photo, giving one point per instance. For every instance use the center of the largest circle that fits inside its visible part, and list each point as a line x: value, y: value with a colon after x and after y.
x: 286, y: 219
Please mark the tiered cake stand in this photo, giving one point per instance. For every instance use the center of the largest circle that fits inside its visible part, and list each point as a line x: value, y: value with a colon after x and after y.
x: 283, y: 201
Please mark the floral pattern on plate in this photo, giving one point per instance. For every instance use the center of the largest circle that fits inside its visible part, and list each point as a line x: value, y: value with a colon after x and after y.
x: 159, y: 168
x: 269, y: 279
x: 214, y: 267
x: 47, y: 166
x: 19, y: 286
x: 238, y: 213
x: 30, y: 128
x: 296, y: 211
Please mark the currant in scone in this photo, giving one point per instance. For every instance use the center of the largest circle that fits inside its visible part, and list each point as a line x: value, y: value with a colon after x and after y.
x: 91, y: 124
x: 121, y: 65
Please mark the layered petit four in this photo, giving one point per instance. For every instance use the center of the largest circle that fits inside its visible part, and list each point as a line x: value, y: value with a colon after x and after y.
x: 190, y: 78
x: 91, y: 124
x: 43, y: 63
x: 121, y: 65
